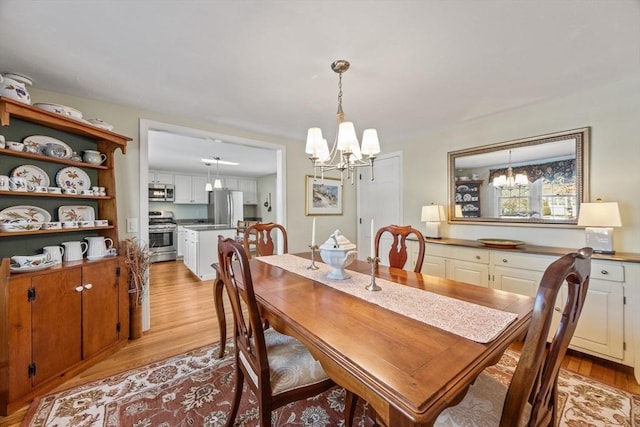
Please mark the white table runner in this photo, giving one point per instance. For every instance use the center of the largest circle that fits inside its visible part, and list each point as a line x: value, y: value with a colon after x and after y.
x: 475, y: 322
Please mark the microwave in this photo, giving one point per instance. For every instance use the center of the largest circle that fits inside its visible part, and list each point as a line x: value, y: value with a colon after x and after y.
x: 160, y: 192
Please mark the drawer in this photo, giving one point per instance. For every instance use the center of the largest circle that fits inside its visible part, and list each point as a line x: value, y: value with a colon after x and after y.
x: 521, y: 261
x: 458, y: 253
x: 607, y: 271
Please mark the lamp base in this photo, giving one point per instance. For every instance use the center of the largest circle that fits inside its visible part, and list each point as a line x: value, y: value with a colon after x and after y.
x: 432, y: 230
x: 600, y: 239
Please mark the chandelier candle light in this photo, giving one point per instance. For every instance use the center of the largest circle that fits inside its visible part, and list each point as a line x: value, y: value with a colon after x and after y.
x: 346, y: 153
x: 509, y: 181
x: 313, y: 247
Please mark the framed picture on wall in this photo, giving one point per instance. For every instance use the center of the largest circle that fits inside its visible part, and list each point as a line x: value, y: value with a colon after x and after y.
x: 323, y: 196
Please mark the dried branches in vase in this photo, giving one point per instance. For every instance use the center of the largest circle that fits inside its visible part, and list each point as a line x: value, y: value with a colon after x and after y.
x: 136, y: 254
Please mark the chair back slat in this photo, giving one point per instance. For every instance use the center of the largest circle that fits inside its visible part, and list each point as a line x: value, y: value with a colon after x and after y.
x: 264, y: 238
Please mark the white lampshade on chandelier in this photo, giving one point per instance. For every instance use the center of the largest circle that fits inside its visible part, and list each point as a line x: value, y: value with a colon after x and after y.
x: 509, y: 180
x: 346, y: 152
x: 217, y: 184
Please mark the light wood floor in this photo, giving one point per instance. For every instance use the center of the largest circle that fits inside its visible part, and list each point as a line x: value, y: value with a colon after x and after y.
x: 183, y: 318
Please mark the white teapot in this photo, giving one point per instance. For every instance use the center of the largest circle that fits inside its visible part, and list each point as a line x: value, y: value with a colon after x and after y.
x: 14, y: 86
x: 338, y: 252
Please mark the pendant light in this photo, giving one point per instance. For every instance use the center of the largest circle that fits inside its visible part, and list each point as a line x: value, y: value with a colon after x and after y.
x: 217, y: 183
x: 208, y: 186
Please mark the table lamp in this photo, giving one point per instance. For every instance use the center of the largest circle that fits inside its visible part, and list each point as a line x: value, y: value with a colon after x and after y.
x: 433, y: 215
x: 599, y: 219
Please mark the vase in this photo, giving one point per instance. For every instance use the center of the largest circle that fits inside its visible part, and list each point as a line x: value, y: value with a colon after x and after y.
x: 135, y: 321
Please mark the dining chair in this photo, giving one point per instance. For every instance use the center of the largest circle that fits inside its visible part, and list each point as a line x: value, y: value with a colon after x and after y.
x: 531, y: 397
x: 264, y: 236
x: 241, y: 230
x: 278, y: 368
x: 398, y: 251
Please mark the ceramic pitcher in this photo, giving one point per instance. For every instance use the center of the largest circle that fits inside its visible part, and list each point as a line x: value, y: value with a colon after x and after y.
x: 98, y: 246
x: 73, y: 251
x: 55, y: 252
x: 14, y: 86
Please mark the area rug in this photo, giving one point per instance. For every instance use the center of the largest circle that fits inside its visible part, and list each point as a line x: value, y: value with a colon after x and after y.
x: 195, y: 389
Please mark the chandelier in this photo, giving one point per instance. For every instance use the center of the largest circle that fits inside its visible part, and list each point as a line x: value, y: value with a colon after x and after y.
x: 510, y: 181
x: 346, y: 154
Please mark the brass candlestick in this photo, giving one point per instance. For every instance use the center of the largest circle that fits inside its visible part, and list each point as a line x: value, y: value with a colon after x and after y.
x: 374, y: 264
x: 313, y: 265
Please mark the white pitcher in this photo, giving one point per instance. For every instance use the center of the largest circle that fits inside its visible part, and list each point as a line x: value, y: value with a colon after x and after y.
x: 55, y: 252
x: 73, y: 251
x: 98, y: 247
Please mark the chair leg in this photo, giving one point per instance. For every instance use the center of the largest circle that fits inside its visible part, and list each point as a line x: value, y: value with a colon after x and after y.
x: 350, y: 402
x: 237, y: 395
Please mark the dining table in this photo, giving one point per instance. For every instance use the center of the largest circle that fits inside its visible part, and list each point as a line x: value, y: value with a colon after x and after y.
x: 410, y: 349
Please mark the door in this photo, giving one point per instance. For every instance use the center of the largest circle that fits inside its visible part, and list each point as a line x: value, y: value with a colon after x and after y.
x: 56, y: 322
x: 387, y: 187
x: 100, y: 306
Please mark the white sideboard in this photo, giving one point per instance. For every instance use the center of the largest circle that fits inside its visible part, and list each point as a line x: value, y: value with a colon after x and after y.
x: 607, y: 327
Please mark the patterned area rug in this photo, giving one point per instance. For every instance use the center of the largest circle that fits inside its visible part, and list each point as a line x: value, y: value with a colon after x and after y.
x: 195, y: 388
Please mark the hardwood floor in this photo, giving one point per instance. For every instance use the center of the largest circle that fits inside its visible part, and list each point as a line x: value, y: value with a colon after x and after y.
x: 183, y: 318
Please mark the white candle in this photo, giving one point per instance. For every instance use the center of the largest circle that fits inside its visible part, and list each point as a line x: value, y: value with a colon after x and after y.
x: 373, y: 249
x: 313, y: 233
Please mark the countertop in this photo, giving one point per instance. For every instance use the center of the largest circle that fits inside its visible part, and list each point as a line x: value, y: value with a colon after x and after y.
x: 207, y: 227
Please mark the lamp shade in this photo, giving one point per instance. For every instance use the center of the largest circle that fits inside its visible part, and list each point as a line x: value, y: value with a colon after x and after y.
x: 370, y: 143
x: 217, y: 183
x: 599, y: 214
x: 314, y: 141
x: 208, y: 187
x: 433, y: 213
x: 347, y: 139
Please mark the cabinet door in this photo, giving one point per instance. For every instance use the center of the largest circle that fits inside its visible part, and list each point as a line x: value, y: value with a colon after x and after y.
x: 523, y: 282
x: 182, y: 190
x: 468, y: 272
x: 181, y: 238
x: 434, y: 266
x: 231, y: 183
x: 56, y: 322
x: 100, y: 306
x: 164, y: 178
x: 19, y: 336
x: 249, y: 188
x: 198, y: 194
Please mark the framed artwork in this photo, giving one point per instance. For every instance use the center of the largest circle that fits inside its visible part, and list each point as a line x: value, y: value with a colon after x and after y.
x: 323, y: 196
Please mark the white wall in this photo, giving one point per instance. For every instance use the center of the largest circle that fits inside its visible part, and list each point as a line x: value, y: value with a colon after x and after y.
x: 612, y: 112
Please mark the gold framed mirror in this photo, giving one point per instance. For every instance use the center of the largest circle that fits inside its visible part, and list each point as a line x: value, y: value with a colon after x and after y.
x: 539, y: 180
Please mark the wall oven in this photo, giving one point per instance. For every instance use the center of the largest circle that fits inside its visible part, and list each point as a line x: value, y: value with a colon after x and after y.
x: 160, y: 193
x: 163, y: 236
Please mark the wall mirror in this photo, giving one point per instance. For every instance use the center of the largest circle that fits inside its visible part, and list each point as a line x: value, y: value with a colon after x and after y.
x: 533, y: 181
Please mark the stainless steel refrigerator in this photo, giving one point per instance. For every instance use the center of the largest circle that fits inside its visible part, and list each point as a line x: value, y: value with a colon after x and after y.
x: 225, y: 207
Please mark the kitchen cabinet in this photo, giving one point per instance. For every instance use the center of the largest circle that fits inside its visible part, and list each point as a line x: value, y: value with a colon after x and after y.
x: 201, y: 249
x: 249, y: 188
x: 156, y: 177
x: 468, y: 265
x: 231, y: 183
x: 182, y: 235
x: 58, y: 321
x: 189, y: 189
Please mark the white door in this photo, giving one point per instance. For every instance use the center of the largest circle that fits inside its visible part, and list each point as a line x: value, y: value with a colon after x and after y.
x: 380, y: 200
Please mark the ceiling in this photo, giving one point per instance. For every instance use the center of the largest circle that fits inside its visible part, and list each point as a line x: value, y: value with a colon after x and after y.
x: 264, y: 65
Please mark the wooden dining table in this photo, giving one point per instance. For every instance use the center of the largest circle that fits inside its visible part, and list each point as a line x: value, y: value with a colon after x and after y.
x: 407, y: 370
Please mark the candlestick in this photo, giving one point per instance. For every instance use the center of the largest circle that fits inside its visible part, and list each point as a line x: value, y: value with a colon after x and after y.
x: 373, y: 250
x: 373, y: 286
x: 313, y: 233
x: 313, y: 265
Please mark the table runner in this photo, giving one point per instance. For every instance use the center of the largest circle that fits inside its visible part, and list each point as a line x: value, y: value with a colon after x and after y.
x: 472, y: 321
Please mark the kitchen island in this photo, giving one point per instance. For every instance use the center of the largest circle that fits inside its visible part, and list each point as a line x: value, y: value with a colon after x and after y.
x: 200, y: 247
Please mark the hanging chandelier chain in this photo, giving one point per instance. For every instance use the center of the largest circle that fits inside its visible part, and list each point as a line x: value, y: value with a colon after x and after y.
x: 340, y: 113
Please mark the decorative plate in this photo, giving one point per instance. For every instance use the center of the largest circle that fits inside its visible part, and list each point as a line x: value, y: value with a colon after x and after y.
x: 15, y: 269
x: 33, y: 174
x: 41, y: 142
x: 18, y: 226
x: 73, y: 177
x: 501, y: 243
x: 463, y: 188
x: 76, y: 213
x: 59, y: 109
x: 25, y: 213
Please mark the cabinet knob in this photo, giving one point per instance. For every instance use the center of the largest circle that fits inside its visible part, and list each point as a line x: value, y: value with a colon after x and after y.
x: 504, y: 260
x: 88, y: 286
x: 605, y: 272
x: 477, y: 256
x: 79, y: 288
x: 557, y: 309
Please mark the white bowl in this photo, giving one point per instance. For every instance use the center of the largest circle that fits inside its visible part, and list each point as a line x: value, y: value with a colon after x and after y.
x: 18, y: 226
x: 101, y: 124
x: 59, y: 109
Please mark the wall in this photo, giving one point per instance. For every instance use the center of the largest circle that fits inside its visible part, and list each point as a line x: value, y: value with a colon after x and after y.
x: 266, y: 185
x: 612, y: 112
x: 126, y: 122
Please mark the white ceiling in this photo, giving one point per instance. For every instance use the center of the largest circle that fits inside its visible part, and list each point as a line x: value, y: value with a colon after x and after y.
x: 264, y: 65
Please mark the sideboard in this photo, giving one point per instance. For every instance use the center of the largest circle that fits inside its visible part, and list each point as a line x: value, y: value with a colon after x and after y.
x: 607, y: 327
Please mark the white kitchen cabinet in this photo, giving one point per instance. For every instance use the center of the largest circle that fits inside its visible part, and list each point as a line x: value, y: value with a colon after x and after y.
x: 249, y: 188
x: 468, y: 265
x: 231, y: 183
x: 201, y: 249
x: 157, y: 177
x: 516, y: 272
x: 182, y: 236
x: 189, y: 189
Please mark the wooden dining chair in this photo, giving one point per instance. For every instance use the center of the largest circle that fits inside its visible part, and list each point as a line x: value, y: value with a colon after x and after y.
x: 398, y: 252
x: 531, y: 397
x: 278, y: 368
x: 264, y: 236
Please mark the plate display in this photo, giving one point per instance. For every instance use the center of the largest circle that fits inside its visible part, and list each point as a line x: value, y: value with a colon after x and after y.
x: 59, y: 109
x: 27, y: 269
x: 76, y: 213
x: 501, y: 243
x: 33, y: 174
x: 25, y: 213
x: 73, y: 177
x: 41, y: 142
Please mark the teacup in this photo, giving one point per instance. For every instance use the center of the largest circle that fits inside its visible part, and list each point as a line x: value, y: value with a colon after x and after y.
x: 51, y: 225
x: 85, y: 223
x: 4, y: 183
x: 86, y: 192
x: 102, y: 191
x: 30, y: 260
x: 69, y: 224
x: 40, y: 189
x: 31, y: 148
x: 15, y: 146
x: 94, y: 157
x: 101, y: 223
x: 70, y: 191
x: 18, y: 183
x: 54, y: 190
